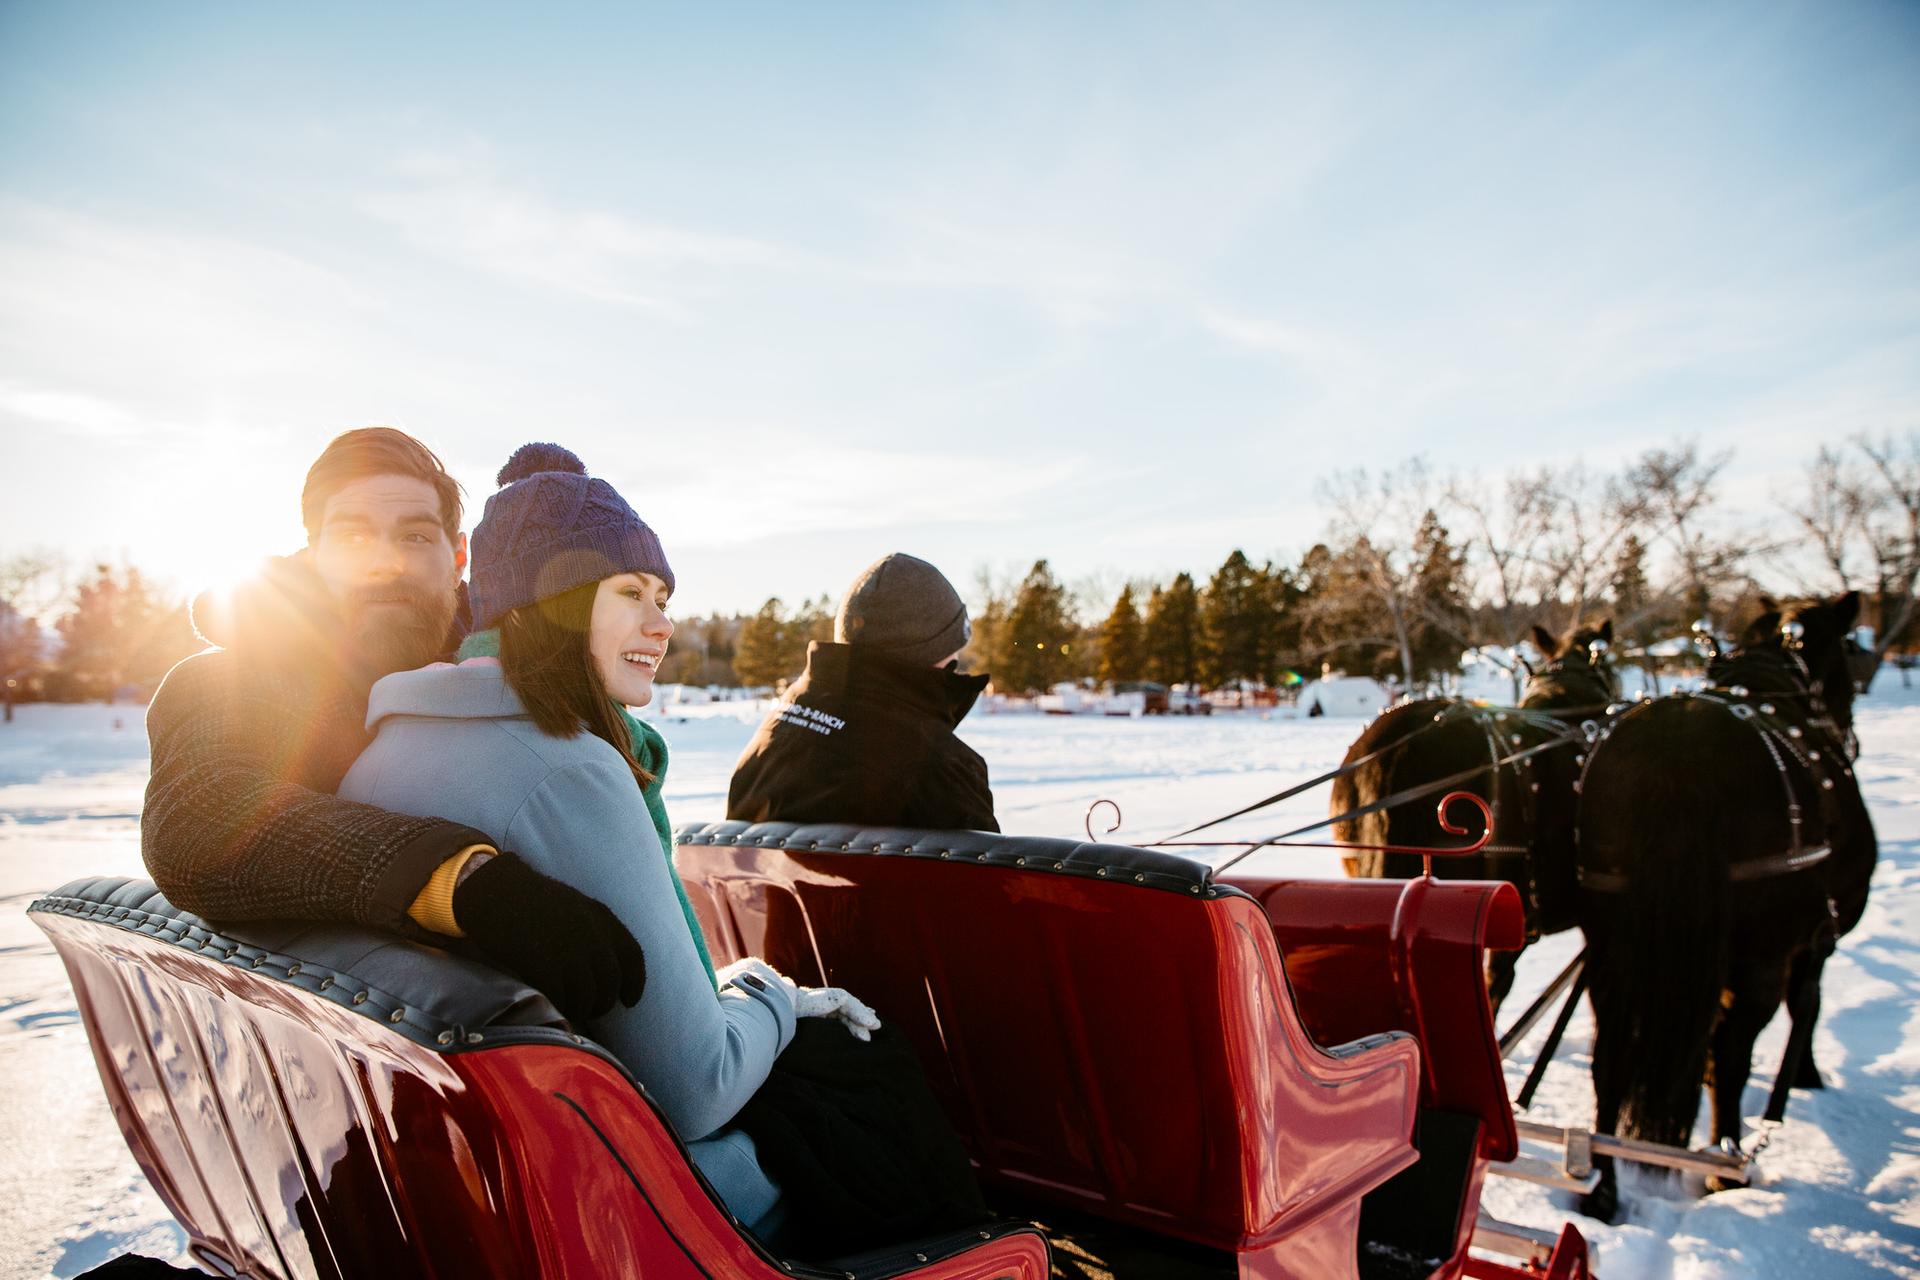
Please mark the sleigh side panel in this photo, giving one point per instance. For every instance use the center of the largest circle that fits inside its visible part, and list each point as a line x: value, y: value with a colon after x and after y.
x: 1108, y: 1032
x: 319, y: 1101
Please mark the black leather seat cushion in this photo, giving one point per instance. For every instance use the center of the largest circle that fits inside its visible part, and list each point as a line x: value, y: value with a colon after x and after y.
x: 420, y: 991
x: 1152, y: 868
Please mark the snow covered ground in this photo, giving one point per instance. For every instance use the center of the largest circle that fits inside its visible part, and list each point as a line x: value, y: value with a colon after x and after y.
x: 1840, y: 1195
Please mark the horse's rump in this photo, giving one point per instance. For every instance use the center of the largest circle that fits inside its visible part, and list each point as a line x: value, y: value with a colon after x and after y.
x: 1677, y: 796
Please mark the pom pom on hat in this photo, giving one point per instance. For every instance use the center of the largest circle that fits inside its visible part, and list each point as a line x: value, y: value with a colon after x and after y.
x: 532, y: 459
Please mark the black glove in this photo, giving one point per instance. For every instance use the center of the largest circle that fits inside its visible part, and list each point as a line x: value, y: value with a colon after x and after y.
x: 555, y: 938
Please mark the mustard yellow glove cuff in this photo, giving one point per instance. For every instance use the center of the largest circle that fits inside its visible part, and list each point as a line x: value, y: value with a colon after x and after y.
x: 433, y: 907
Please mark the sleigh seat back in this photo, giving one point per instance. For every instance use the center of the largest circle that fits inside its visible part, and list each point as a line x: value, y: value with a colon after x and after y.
x: 1110, y: 1032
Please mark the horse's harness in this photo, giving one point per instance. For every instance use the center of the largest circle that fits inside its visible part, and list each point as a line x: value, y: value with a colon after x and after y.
x: 1556, y: 722
x: 1786, y: 738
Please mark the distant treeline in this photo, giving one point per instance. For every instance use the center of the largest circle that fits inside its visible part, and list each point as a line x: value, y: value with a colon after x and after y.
x: 1413, y: 570
x: 113, y: 632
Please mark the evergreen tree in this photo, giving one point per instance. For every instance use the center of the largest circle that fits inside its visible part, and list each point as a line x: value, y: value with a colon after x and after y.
x: 1632, y: 598
x: 1285, y: 603
x: 986, y: 652
x: 1150, y: 660
x: 685, y: 662
x: 27, y: 582
x: 1440, y: 600
x: 1172, y: 641
x: 1120, y: 641
x: 761, y: 657
x: 1081, y: 654
x: 717, y: 639
x: 812, y: 621
x: 1236, y: 623
x: 19, y: 654
x: 702, y: 652
x: 119, y: 631
x: 1039, y: 634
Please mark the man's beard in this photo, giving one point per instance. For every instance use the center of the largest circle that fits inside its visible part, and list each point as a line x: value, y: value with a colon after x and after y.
x: 397, y: 627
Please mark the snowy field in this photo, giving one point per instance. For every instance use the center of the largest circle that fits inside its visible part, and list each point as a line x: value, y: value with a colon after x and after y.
x: 1840, y: 1191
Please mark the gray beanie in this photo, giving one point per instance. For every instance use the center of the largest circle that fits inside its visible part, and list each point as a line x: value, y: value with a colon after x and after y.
x: 905, y: 609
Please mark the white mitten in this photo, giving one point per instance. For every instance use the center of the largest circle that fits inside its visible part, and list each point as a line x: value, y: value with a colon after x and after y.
x: 836, y: 1002
x: 760, y: 969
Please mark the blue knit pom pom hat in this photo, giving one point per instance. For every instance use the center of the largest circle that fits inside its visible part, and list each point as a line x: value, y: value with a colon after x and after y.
x: 552, y: 528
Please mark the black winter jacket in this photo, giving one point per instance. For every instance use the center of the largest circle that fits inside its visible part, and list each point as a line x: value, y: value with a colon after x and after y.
x: 861, y: 739
x: 248, y: 743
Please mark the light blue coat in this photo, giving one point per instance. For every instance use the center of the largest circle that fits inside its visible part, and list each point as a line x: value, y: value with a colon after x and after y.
x: 456, y: 743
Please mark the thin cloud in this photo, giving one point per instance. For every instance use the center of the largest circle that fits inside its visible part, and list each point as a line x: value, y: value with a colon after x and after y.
x: 706, y: 503
x: 461, y: 212
x: 137, y: 314
x: 1071, y: 280
x: 1312, y: 349
x: 75, y: 412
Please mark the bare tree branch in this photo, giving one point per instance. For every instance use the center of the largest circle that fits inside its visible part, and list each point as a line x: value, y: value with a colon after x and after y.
x: 1673, y: 492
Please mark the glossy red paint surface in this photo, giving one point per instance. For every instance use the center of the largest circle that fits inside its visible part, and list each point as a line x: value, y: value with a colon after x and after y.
x: 1128, y: 1052
x: 1365, y: 956
x: 1570, y: 1261
x: 295, y: 1138
x: 569, y: 1128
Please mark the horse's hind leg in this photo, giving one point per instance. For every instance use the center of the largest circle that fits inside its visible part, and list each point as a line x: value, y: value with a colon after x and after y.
x: 1803, y: 1004
x: 1609, y: 1095
x: 1752, y: 1003
x: 1603, y: 1202
x: 1500, y: 967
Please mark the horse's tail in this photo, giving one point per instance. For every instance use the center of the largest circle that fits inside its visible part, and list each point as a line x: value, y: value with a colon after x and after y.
x: 1666, y: 818
x: 1354, y: 791
x: 1370, y: 782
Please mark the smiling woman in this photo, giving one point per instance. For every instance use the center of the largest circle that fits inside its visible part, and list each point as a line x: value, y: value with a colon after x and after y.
x: 628, y: 634
x: 555, y: 667
x: 577, y: 584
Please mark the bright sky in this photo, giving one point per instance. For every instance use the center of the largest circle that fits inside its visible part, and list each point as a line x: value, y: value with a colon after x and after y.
x: 809, y: 283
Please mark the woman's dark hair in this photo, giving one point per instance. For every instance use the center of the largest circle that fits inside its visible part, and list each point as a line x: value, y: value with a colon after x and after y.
x: 543, y: 647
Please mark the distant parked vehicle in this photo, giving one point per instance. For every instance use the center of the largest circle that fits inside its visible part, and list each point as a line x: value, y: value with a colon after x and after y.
x: 1154, y: 694
x: 1186, y: 701
x: 1069, y: 699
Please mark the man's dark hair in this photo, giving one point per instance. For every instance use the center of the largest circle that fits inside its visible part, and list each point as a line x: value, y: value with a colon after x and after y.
x: 544, y: 649
x: 377, y: 451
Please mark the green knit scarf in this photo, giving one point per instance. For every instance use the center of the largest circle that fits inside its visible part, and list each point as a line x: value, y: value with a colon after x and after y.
x: 650, y: 749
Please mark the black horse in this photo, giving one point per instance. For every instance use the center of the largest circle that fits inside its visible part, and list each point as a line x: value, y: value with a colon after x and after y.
x: 1723, y: 847
x: 1420, y: 743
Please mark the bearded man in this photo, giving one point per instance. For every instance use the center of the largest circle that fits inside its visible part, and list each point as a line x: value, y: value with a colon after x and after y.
x: 251, y: 738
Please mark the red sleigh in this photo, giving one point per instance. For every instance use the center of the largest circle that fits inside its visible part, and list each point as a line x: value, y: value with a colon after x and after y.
x: 1262, y: 1078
